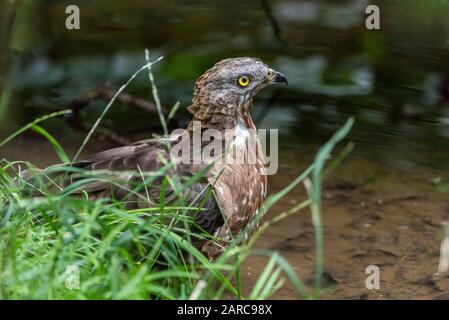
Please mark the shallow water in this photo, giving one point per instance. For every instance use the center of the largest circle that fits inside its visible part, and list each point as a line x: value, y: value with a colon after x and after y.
x: 386, y: 204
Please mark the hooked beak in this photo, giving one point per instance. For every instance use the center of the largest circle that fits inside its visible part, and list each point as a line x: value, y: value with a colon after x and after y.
x: 277, y: 77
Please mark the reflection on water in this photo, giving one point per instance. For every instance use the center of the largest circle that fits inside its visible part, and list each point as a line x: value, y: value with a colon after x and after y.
x: 393, y: 80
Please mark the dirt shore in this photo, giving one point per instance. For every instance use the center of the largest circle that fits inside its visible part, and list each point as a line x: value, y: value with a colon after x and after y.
x: 382, y: 221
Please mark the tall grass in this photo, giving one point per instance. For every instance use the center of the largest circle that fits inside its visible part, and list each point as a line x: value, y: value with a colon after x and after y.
x: 55, y: 243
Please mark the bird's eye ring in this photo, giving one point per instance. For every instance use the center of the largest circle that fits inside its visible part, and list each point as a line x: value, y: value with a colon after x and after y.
x: 243, y: 81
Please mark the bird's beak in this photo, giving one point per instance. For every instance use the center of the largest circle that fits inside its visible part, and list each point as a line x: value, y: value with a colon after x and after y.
x: 276, y: 77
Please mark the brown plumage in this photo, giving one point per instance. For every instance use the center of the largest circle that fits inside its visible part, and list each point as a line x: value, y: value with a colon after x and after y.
x: 221, y: 100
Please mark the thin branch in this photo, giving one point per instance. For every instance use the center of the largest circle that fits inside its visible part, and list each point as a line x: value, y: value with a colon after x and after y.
x: 104, y: 93
x: 109, y: 105
x: 275, y: 26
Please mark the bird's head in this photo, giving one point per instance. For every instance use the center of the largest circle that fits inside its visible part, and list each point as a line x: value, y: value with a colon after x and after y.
x: 226, y: 90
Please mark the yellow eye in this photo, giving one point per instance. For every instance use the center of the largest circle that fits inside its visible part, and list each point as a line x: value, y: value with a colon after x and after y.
x: 243, y: 81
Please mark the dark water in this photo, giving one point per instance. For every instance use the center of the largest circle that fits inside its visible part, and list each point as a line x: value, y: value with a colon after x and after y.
x: 393, y: 80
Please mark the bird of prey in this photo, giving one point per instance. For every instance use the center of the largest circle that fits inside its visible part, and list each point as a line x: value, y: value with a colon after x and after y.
x: 221, y: 100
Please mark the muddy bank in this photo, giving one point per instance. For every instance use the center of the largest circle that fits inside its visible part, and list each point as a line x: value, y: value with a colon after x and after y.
x: 373, y: 217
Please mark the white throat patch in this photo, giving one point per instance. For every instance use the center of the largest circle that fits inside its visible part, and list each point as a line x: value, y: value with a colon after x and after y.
x: 241, y: 135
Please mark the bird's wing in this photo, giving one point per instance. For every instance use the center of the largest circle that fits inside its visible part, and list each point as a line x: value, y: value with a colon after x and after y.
x: 147, y: 157
x: 121, y: 167
x: 116, y: 173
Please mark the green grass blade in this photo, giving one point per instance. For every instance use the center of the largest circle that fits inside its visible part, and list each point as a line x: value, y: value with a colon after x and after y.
x: 55, y: 144
x: 320, y: 159
x: 31, y: 124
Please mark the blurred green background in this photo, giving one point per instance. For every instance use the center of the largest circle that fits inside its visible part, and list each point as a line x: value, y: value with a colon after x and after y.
x: 395, y: 80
